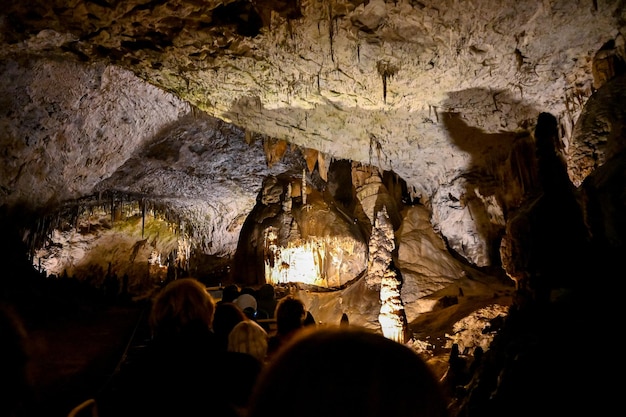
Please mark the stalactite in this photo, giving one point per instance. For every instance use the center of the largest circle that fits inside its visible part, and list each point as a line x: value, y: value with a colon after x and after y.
x: 303, y: 187
x: 112, y: 208
x: 386, y: 70
x: 375, y: 144
x: 143, y: 217
x: 322, y: 166
x: 331, y: 31
x: 290, y: 29
x: 77, y: 214
x: 385, y: 89
x: 310, y: 157
x: 274, y: 150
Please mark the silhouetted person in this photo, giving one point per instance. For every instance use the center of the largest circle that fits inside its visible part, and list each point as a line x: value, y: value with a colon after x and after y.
x: 266, y: 300
x: 344, y: 321
x: 249, y: 337
x: 290, y: 315
x: 242, y: 363
x: 227, y: 315
x: 249, y: 290
x: 340, y: 372
x: 175, y: 374
x: 248, y: 304
x: 238, y: 373
x: 229, y: 293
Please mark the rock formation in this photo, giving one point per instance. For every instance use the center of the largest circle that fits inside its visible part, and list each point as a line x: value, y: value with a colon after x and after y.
x: 170, y: 138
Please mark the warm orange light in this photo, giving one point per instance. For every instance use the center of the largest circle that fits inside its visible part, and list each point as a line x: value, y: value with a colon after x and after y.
x: 391, y: 317
x: 323, y: 262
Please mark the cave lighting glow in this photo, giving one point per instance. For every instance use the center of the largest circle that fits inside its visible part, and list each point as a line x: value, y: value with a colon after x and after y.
x: 322, y: 262
x: 297, y: 263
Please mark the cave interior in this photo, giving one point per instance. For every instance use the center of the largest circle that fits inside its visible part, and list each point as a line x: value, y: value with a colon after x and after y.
x: 442, y: 173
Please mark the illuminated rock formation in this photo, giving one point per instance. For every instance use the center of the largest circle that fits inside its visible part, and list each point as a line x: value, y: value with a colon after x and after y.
x: 313, y: 243
x: 381, y: 245
x: 392, y: 319
x: 381, y: 275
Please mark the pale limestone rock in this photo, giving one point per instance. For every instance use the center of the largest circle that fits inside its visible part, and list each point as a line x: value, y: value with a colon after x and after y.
x: 465, y: 82
x: 474, y: 330
x: 381, y: 246
x: 57, y: 146
x: 313, y: 242
x: 311, y: 77
x: 423, y: 260
x: 599, y: 133
x: 392, y: 318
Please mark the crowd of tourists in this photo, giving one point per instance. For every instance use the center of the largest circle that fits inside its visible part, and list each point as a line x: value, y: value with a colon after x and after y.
x: 208, y: 357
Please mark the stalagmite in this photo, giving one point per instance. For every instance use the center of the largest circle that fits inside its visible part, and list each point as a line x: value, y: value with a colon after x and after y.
x: 381, y: 246
x: 288, y: 201
x: 303, y: 187
x: 392, y: 317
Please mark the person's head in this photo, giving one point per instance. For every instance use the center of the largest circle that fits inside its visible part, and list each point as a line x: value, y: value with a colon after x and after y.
x: 248, y: 337
x: 247, y: 303
x: 267, y: 301
x: 15, y: 354
x: 249, y: 290
x: 290, y: 314
x: 351, y: 372
x: 226, y: 316
x: 266, y: 292
x: 182, y: 304
x: 229, y: 293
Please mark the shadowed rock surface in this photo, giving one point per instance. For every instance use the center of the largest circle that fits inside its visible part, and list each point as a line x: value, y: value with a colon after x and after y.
x: 155, y: 140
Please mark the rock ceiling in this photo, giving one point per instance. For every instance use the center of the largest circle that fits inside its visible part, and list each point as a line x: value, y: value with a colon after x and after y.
x: 190, y: 108
x: 114, y: 95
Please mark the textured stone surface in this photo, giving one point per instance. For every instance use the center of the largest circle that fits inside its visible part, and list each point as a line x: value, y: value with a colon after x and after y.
x: 443, y: 95
x: 189, y: 106
x: 435, y: 91
x: 68, y: 126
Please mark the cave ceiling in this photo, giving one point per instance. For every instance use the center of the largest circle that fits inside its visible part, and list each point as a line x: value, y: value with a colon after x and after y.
x: 196, y: 111
x: 435, y: 91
